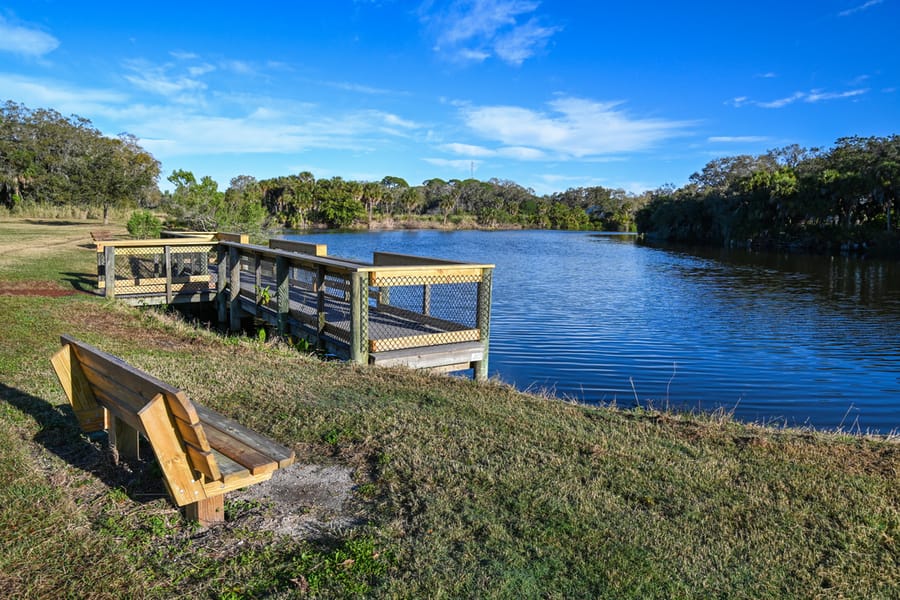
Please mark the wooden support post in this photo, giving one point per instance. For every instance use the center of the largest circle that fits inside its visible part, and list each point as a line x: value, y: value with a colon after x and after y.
x: 207, y: 512
x: 167, y: 257
x: 221, y: 267
x: 124, y: 438
x: 483, y: 321
x: 282, y: 277
x: 109, y: 255
x: 234, y: 289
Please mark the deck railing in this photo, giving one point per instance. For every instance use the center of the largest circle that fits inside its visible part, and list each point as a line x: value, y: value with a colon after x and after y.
x: 354, y: 309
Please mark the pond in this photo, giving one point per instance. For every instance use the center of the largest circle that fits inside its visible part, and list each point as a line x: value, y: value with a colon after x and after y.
x: 772, y: 338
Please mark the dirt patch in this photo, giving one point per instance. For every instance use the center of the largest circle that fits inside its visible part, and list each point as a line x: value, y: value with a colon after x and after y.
x: 300, y: 501
x: 45, y: 289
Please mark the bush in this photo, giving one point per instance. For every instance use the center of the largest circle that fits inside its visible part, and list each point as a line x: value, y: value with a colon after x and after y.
x: 143, y: 225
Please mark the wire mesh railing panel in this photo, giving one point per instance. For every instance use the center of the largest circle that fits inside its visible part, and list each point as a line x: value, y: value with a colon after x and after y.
x: 408, y: 311
x: 336, y: 288
x: 144, y: 270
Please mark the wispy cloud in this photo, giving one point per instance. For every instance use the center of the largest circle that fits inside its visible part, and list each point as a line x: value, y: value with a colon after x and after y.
x: 571, y: 127
x: 736, y: 139
x: 64, y: 97
x: 514, y: 152
x: 215, y: 124
x: 456, y: 164
x: 25, y: 41
x: 860, y: 8
x: 159, y: 79
x: 810, y: 97
x: 475, y: 30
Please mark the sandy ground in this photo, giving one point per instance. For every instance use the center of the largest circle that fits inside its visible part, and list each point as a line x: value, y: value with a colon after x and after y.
x: 301, y: 501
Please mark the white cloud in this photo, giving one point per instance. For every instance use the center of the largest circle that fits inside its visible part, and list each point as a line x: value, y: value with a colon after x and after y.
x: 781, y: 102
x: 573, y: 127
x: 157, y: 80
x: 60, y: 96
x: 468, y: 150
x: 475, y: 30
x: 459, y: 165
x: 736, y: 139
x: 818, y: 95
x: 522, y: 42
x: 25, y: 41
x: 521, y: 153
x: 809, y: 97
x: 860, y: 8
x: 198, y: 70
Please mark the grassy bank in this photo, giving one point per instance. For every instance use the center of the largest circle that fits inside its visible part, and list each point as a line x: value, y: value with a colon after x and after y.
x: 462, y: 490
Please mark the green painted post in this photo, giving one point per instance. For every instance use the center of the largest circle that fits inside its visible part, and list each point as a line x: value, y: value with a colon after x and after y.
x: 167, y: 253
x: 257, y: 287
x: 234, y: 289
x: 426, y: 299
x: 221, y: 267
x: 282, y: 277
x: 359, y: 319
x: 320, y: 306
x: 484, y: 321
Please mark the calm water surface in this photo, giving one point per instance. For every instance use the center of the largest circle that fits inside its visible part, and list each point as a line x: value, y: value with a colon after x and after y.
x: 797, y: 340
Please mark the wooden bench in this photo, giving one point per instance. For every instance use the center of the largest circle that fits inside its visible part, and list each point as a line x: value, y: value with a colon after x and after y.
x: 202, y: 454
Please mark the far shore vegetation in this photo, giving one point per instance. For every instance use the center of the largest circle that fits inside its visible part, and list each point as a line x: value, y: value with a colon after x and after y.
x: 462, y: 489
x: 843, y: 198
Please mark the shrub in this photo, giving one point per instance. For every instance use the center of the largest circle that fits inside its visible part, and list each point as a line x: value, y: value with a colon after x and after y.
x: 143, y: 225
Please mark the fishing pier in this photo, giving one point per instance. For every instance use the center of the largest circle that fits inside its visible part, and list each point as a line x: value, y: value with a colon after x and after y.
x: 423, y: 313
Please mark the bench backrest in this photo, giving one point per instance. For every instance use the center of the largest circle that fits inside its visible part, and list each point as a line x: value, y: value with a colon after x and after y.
x: 96, y: 382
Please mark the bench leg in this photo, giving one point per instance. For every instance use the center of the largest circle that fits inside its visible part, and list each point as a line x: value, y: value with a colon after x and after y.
x: 208, y: 512
x: 124, y: 439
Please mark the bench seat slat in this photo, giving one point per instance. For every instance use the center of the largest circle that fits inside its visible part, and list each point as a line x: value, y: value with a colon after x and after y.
x: 232, y: 472
x: 212, y: 420
x: 252, y: 459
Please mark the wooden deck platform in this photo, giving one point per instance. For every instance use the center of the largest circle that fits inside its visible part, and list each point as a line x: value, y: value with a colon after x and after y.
x: 398, y: 310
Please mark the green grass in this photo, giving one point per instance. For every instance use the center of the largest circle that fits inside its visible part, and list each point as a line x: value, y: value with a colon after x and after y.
x: 469, y: 490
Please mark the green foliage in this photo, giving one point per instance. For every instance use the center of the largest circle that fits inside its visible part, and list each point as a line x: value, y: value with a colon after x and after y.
x: 263, y: 295
x: 143, y: 225
x: 821, y: 200
x: 48, y: 158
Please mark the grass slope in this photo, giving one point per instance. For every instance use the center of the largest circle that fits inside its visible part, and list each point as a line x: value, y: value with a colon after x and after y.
x: 466, y: 490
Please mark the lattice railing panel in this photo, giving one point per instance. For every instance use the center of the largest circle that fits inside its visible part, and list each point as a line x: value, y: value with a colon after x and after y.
x: 143, y: 269
x: 413, y: 310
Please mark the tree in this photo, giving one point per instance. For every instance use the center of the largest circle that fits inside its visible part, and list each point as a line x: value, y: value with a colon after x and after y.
x: 194, y: 204
x: 48, y: 158
x: 339, y: 207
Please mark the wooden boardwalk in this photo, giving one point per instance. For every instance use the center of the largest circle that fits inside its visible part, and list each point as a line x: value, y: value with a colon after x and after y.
x: 398, y: 310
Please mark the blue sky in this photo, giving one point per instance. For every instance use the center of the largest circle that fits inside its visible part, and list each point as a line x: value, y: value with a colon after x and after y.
x: 550, y: 95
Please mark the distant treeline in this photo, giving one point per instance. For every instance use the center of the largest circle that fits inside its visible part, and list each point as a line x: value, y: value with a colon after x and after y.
x: 48, y: 159
x: 809, y: 198
x: 302, y: 201
x: 844, y: 197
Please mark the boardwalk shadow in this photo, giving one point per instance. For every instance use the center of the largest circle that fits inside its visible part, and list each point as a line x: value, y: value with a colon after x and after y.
x: 83, y: 282
x: 60, y: 434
